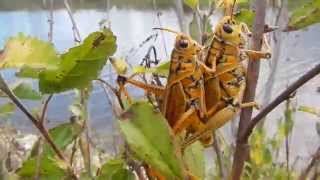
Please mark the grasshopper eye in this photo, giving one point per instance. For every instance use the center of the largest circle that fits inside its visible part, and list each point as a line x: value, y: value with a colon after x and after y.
x: 183, y: 43
x: 226, y: 28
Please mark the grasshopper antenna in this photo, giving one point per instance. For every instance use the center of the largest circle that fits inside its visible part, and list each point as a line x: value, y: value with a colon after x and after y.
x: 232, y: 8
x: 166, y: 29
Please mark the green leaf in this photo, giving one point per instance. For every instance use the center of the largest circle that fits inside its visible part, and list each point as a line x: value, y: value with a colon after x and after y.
x: 24, y: 91
x: 29, y: 72
x: 6, y: 110
x: 50, y: 169
x: 311, y: 110
x: 151, y: 140
x: 115, y: 169
x: 192, y: 3
x: 162, y: 69
x: 246, y: 16
x: 123, y: 174
x: 25, y: 50
x: 289, y: 122
x: 195, y: 160
x: 194, y: 29
x: 304, y: 16
x: 62, y: 136
x: 80, y: 65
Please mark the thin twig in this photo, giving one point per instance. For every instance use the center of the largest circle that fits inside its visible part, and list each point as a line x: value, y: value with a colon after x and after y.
x: 38, y: 160
x: 114, y: 90
x: 278, y: 100
x: 160, y: 24
x: 73, y: 151
x: 219, y: 158
x: 45, y: 109
x: 313, y: 162
x: 40, y: 145
x: 51, y: 22
x: 76, y: 32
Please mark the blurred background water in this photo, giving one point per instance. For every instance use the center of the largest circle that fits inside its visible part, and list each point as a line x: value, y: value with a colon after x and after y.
x: 132, y: 22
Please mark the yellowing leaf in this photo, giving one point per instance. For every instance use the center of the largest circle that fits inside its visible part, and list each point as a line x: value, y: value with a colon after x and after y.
x: 311, y: 110
x: 25, y: 50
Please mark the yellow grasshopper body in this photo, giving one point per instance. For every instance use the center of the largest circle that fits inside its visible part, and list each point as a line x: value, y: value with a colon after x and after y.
x: 225, y: 87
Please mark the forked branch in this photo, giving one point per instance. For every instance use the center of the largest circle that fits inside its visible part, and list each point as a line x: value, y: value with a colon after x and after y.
x: 5, y: 88
x: 278, y: 100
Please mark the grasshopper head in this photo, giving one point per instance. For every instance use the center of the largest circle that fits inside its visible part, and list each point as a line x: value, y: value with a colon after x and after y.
x: 187, y: 45
x: 184, y: 44
x: 229, y: 30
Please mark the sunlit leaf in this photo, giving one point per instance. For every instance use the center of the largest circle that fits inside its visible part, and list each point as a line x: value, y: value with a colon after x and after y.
x: 25, y: 50
x: 62, y: 136
x: 120, y: 65
x: 192, y: 3
x: 151, y: 140
x: 25, y: 91
x: 305, y: 16
x: 50, y: 169
x: 311, y: 110
x: 245, y: 16
x: 115, y: 169
x: 195, y: 160
x: 80, y: 65
x: 6, y: 110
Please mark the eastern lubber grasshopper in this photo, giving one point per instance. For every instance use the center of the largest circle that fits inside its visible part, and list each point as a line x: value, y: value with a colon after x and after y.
x: 225, y: 87
x: 183, y: 102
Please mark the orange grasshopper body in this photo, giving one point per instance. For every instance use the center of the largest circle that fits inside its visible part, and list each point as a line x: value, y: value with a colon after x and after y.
x: 183, y: 102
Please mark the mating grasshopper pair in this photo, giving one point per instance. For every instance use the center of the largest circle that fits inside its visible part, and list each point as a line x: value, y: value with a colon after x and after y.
x: 202, y: 94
